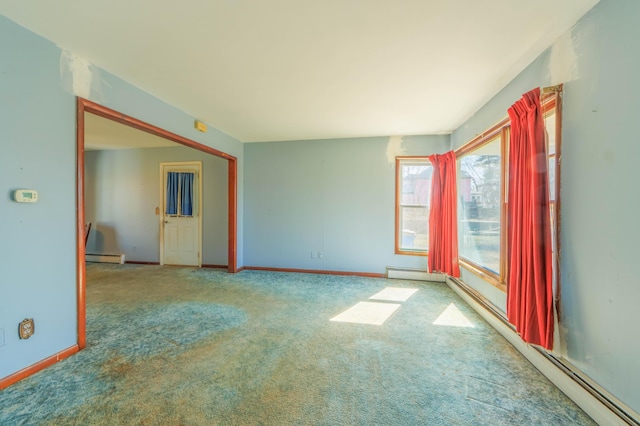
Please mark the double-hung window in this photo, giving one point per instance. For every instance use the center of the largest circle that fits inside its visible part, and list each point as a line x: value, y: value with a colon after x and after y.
x: 413, y: 194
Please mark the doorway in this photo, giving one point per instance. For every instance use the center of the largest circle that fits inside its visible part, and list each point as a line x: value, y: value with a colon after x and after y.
x: 85, y: 106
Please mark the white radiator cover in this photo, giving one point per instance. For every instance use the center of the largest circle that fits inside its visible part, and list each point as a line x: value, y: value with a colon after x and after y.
x: 414, y: 274
x: 105, y: 258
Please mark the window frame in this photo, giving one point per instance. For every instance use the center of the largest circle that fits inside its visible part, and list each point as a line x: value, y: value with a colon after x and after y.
x: 399, y: 206
x: 550, y: 103
x: 499, y: 130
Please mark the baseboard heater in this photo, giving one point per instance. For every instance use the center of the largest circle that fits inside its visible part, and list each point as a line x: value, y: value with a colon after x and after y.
x: 414, y: 274
x: 104, y: 258
x: 603, y: 407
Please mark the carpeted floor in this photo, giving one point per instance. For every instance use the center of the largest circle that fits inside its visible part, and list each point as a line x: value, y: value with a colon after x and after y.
x: 186, y: 346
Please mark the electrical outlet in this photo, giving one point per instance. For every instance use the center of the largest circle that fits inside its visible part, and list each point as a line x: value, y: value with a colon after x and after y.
x: 320, y: 255
x: 26, y: 328
x: 313, y: 254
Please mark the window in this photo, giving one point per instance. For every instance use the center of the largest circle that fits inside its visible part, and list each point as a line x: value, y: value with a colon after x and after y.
x: 179, y: 194
x: 480, y: 180
x: 413, y: 194
x: 482, y: 204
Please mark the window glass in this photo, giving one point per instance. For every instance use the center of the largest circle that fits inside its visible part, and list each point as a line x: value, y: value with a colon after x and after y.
x: 479, y: 209
x: 413, y: 200
x: 550, y: 127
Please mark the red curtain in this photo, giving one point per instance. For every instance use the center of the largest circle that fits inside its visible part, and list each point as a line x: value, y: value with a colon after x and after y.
x: 529, y: 274
x: 443, y: 217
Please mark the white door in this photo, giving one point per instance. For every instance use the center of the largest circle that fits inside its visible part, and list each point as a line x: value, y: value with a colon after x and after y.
x: 181, y: 214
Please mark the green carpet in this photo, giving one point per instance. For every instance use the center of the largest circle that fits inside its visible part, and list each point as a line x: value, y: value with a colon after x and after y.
x: 186, y: 346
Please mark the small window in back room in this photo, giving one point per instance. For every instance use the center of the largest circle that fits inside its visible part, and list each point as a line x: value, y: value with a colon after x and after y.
x: 179, y: 196
x: 413, y: 193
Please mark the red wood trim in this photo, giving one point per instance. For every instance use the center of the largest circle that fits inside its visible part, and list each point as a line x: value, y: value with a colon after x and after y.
x: 216, y: 266
x: 80, y: 221
x: 240, y: 269
x: 233, y: 215
x: 85, y: 105
x: 111, y: 114
x: 482, y: 138
x: 557, y: 103
x: 40, y: 365
x: 489, y: 277
x: 504, y: 220
x: 140, y: 262
x: 398, y: 231
x: 313, y: 271
x: 411, y: 253
x: 398, y: 189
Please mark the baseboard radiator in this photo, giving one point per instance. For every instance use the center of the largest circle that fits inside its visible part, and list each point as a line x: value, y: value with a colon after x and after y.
x: 603, y: 407
x: 414, y: 274
x: 104, y: 258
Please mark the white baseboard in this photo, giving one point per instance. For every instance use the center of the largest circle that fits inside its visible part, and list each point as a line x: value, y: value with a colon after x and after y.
x: 414, y: 274
x: 105, y: 258
x: 591, y: 405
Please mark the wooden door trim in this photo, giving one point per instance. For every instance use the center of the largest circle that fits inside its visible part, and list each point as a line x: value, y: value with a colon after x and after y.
x: 84, y: 105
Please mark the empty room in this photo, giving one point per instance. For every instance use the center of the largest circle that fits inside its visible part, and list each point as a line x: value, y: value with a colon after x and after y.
x: 344, y: 212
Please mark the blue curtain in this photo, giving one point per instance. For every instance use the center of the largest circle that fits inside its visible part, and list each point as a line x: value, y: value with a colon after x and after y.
x: 172, y: 193
x: 186, y: 193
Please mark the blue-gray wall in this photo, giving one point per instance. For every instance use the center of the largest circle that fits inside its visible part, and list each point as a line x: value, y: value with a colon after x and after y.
x: 37, y: 241
x: 599, y: 190
x: 37, y: 141
x: 122, y: 191
x: 335, y: 196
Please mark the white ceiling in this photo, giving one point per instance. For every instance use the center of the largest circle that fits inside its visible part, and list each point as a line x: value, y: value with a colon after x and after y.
x: 267, y: 70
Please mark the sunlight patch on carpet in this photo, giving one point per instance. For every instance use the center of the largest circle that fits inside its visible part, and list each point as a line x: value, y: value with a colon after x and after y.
x: 394, y: 294
x: 452, y: 317
x: 367, y: 313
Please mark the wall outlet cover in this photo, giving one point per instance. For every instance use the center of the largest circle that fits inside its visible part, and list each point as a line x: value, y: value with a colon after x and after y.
x: 26, y: 328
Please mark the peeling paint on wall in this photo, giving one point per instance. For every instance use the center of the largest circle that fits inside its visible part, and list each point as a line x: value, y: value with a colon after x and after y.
x: 563, y: 62
x: 395, y: 148
x: 79, y: 77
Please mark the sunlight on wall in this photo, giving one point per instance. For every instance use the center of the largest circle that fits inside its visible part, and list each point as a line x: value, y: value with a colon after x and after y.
x: 452, y: 317
x: 367, y: 313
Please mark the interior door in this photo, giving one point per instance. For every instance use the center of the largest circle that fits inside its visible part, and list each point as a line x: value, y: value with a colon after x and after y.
x: 181, y: 214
